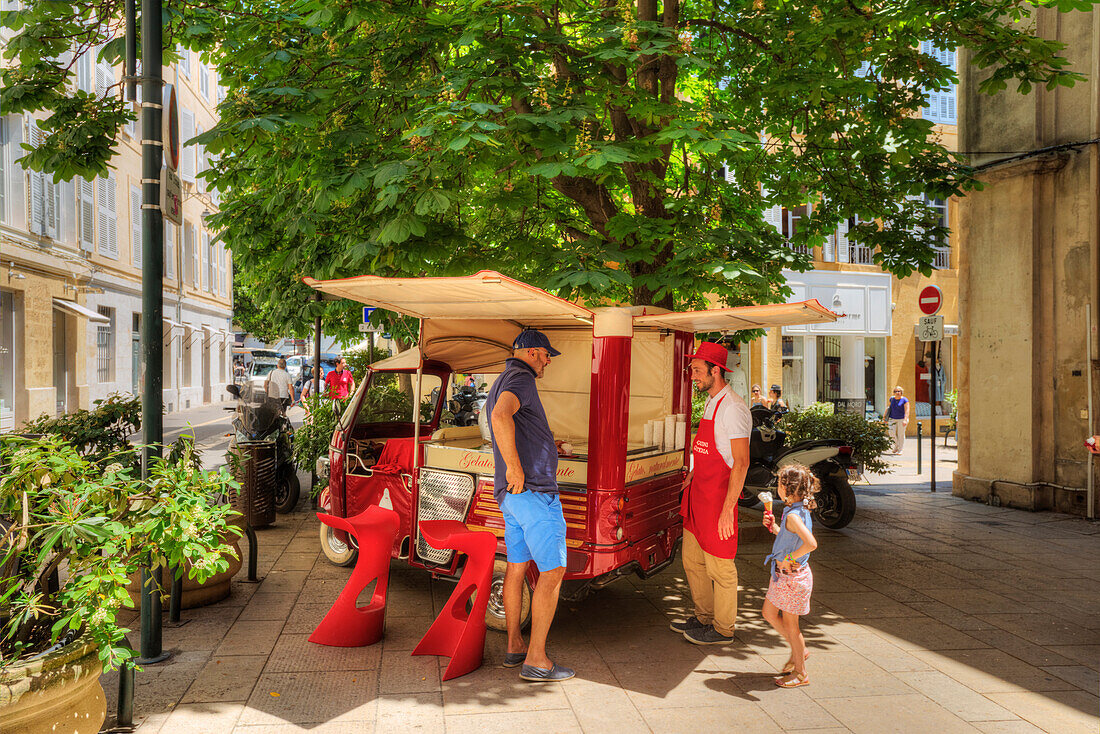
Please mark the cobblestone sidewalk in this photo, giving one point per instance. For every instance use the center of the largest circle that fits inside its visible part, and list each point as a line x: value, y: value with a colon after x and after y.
x: 930, y: 614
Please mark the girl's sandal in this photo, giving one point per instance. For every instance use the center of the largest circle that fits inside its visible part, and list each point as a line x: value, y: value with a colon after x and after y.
x: 789, y: 667
x: 793, y: 680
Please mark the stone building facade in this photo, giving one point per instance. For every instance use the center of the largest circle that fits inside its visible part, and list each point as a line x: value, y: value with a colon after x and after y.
x: 1029, y: 283
x: 70, y: 269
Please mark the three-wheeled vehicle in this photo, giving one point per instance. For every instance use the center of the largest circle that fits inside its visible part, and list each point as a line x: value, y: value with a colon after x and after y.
x: 620, y: 368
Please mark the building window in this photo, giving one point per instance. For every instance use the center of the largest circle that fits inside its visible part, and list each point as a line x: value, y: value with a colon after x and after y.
x: 188, y: 336
x: 941, y: 102
x: 792, y: 370
x: 792, y: 223
x: 105, y: 346
x: 942, y: 247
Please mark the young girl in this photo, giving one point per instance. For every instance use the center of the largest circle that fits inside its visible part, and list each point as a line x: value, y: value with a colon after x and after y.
x: 791, y: 580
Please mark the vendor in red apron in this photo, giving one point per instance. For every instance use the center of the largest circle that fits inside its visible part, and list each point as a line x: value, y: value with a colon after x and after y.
x: 719, y: 461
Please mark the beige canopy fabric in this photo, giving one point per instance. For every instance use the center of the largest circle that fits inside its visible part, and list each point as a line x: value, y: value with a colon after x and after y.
x: 483, y: 295
x: 741, y: 317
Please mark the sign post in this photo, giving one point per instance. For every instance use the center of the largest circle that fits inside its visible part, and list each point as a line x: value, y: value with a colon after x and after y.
x: 930, y: 329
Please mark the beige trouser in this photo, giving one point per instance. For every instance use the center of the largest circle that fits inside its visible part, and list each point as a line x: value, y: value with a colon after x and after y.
x: 713, y: 583
x: 897, y: 432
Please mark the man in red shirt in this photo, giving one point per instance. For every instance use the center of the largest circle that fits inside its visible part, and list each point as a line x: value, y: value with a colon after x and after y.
x: 339, y: 382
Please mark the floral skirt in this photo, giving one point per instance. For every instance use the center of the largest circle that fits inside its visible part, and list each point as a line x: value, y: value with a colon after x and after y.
x: 790, y: 592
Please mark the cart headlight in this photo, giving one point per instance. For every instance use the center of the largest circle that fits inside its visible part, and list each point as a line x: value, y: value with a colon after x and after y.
x: 321, y: 468
x: 619, y: 533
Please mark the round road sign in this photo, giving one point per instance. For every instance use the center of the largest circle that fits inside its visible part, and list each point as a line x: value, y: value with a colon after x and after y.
x: 930, y: 300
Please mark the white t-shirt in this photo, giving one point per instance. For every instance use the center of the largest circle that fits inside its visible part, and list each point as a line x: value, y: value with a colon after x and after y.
x: 278, y: 384
x: 733, y: 421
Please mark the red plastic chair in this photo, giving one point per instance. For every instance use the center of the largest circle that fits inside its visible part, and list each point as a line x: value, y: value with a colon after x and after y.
x: 347, y: 624
x: 456, y: 633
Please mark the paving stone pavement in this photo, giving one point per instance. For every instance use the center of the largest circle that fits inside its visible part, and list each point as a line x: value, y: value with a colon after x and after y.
x: 930, y: 614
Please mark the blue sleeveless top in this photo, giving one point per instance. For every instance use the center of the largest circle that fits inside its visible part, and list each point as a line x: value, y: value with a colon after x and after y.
x: 788, y: 542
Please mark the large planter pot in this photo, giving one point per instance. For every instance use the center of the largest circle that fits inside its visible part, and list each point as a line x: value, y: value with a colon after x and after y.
x: 196, y: 594
x: 58, y: 692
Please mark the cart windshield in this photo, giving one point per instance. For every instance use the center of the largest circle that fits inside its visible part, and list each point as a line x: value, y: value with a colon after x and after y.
x: 390, y: 396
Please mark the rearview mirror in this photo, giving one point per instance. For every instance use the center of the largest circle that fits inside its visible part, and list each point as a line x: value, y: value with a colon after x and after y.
x: 233, y: 390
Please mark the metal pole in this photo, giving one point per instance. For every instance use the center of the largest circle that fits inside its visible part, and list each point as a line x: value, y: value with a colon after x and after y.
x: 932, y: 395
x: 175, y: 600
x: 152, y: 307
x: 920, y: 438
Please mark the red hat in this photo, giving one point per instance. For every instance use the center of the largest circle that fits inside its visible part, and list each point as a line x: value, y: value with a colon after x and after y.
x: 711, y: 352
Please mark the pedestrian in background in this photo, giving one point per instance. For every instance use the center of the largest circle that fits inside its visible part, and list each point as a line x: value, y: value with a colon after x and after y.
x: 757, y: 398
x: 791, y: 580
x: 897, y: 418
x: 339, y: 381
x: 278, y: 383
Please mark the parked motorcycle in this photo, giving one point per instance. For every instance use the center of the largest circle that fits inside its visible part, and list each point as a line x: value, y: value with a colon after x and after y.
x: 466, y: 405
x: 262, y: 420
x: 829, y: 459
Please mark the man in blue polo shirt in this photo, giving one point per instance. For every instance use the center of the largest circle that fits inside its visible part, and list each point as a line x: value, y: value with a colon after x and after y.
x: 526, y: 488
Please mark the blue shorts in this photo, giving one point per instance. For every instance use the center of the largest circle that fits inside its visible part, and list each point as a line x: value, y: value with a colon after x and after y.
x: 534, y: 529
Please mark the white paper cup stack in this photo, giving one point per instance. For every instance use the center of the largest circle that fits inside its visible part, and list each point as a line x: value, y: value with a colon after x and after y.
x: 647, y: 434
x: 681, y: 435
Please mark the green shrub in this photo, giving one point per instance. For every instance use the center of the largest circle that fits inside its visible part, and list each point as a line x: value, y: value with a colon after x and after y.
x: 311, y: 441
x: 103, y: 431
x: 868, y: 439
x: 97, y: 523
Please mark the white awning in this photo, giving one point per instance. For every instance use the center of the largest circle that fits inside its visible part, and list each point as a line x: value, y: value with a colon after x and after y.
x: 741, y: 317
x: 484, y: 295
x: 77, y: 310
x: 168, y: 324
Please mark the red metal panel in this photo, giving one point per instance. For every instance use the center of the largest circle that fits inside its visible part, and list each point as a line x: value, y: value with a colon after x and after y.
x: 609, y: 412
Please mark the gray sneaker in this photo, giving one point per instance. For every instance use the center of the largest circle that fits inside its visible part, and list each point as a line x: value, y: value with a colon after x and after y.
x: 541, y: 675
x: 691, y: 624
x: 707, y: 636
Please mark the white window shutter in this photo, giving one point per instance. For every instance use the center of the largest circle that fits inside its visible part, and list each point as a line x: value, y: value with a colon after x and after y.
x: 187, y: 166
x: 185, y: 62
x: 104, y: 76
x: 45, y: 203
x: 85, y: 76
x: 204, y: 82
x: 86, y: 214
x: 188, y: 248
x: 133, y: 129
x: 200, y: 162
x: 5, y: 166
x: 828, y: 250
x: 108, y: 217
x: 169, y: 250
x: 135, y: 224
x: 843, y: 245
x: 773, y: 215
x: 196, y: 281
x: 205, y: 262
x: 53, y: 208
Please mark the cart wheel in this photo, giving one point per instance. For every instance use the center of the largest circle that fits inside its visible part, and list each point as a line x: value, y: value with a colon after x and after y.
x: 336, y: 551
x: 494, y: 613
x: 287, y: 489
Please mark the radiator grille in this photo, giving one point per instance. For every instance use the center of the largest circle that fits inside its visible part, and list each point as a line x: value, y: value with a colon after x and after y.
x: 443, y: 495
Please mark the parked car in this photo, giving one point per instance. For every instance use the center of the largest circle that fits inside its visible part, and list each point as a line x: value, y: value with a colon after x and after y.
x: 258, y: 372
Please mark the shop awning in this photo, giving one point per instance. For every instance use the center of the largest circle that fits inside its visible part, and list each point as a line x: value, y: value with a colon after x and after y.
x: 741, y: 317
x: 168, y: 324
x: 484, y: 295
x: 76, y: 309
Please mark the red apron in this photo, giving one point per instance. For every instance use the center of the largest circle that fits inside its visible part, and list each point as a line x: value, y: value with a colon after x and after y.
x: 703, y: 499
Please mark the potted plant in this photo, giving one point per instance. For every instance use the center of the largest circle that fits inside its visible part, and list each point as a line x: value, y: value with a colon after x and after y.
x: 73, y: 530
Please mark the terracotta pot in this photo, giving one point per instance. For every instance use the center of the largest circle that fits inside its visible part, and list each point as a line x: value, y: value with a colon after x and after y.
x: 58, y: 692
x: 195, y: 594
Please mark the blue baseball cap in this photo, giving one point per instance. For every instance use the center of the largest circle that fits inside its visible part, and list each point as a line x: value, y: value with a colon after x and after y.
x: 532, y: 339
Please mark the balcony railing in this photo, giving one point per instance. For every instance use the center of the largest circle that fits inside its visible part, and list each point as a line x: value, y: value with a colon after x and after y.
x: 861, y: 255
x: 800, y: 249
x: 942, y: 259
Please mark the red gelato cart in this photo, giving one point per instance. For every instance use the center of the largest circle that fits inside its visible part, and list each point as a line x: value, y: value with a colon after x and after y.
x: 618, y: 399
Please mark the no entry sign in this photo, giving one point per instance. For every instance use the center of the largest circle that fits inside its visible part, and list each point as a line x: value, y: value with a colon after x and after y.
x: 930, y: 299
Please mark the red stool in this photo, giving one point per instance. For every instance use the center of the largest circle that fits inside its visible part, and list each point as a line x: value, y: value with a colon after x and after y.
x: 456, y: 633
x: 346, y: 624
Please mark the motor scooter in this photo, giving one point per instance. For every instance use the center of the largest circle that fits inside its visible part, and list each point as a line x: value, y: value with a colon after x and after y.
x: 466, y: 405
x: 262, y: 420
x: 829, y: 459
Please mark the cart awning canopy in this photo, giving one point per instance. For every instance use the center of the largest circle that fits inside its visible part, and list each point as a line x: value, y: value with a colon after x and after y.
x: 741, y: 317
x: 483, y: 295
